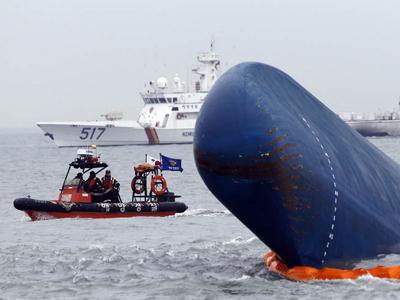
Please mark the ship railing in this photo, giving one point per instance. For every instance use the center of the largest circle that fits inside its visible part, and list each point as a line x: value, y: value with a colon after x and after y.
x: 208, y: 57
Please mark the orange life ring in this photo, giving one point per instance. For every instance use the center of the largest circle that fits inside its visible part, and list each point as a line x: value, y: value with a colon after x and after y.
x: 137, y: 180
x: 155, y: 181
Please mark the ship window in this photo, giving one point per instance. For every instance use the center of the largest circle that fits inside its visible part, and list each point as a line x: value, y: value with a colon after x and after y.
x: 180, y: 116
x: 187, y: 116
x: 175, y: 108
x: 169, y: 100
x: 162, y: 100
x: 175, y: 99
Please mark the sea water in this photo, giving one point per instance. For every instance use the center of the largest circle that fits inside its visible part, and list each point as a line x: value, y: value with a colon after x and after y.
x: 204, y: 253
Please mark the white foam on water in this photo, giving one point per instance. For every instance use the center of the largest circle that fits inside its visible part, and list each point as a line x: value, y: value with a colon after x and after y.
x: 203, y: 212
x: 242, y: 278
x: 96, y: 247
x: 240, y: 241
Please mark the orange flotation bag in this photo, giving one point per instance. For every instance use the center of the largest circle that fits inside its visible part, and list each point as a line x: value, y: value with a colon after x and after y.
x: 302, y: 273
x: 144, y: 167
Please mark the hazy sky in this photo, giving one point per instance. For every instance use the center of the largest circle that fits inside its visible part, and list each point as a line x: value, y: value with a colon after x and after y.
x: 77, y: 59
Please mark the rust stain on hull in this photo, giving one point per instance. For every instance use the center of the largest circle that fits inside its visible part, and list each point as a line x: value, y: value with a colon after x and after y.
x: 279, y: 167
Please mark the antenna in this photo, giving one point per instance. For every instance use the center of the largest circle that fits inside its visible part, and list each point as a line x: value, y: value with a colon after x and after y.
x: 399, y: 103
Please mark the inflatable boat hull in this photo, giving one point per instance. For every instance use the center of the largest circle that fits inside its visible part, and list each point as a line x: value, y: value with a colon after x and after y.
x: 42, y: 210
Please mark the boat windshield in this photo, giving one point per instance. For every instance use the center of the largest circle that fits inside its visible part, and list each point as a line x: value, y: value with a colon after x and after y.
x: 74, y: 179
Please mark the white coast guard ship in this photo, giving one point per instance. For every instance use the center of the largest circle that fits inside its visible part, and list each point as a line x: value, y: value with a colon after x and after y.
x: 168, y: 116
x: 375, y: 124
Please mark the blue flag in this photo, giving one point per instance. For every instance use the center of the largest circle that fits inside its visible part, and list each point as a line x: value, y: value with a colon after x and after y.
x: 170, y: 164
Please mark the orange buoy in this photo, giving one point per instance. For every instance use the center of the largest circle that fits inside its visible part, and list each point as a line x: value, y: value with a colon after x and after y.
x: 155, y: 182
x: 303, y: 273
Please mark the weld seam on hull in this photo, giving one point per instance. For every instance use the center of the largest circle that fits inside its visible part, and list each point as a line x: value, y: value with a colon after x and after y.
x: 331, y: 234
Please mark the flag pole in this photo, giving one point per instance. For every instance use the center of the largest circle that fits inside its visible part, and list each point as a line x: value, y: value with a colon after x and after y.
x: 161, y: 163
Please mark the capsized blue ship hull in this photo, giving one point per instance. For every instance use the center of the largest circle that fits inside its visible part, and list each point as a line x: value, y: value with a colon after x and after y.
x: 310, y: 187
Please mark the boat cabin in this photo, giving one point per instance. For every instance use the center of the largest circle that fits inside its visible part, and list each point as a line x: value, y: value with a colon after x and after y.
x: 73, y: 189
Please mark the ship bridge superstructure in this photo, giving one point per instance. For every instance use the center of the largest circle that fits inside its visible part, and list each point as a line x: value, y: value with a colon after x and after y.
x: 173, y: 105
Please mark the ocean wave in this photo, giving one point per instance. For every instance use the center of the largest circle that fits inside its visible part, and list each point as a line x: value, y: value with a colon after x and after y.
x: 203, y: 212
x: 80, y: 278
x: 242, y: 278
x: 240, y: 241
x: 25, y: 218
